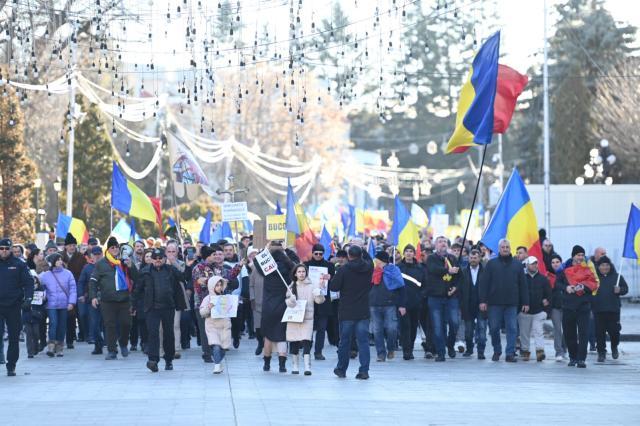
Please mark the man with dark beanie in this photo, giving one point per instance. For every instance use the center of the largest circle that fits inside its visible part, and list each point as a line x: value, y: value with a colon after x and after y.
x: 322, y: 311
x: 414, y: 282
x: 112, y: 281
x: 353, y: 281
x: 74, y: 262
x: 606, y: 307
x: 577, y: 282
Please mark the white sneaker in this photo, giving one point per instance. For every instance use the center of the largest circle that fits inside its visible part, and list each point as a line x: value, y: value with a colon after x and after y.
x: 559, y: 358
x: 217, y: 369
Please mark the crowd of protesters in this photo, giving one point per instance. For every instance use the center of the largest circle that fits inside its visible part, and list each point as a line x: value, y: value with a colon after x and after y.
x: 156, y: 296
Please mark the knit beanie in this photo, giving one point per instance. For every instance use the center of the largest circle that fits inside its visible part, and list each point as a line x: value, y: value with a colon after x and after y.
x: 112, y: 242
x: 576, y: 250
x: 70, y: 239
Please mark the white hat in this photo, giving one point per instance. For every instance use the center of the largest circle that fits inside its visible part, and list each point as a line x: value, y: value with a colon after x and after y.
x: 252, y: 250
x: 530, y: 260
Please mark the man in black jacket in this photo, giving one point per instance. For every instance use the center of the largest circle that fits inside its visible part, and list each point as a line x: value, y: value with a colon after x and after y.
x: 606, y: 307
x: 475, y: 322
x: 160, y: 286
x: 16, y: 291
x: 502, y: 290
x: 443, y: 279
x: 414, y: 282
x: 322, y: 311
x: 531, y: 323
x: 353, y: 281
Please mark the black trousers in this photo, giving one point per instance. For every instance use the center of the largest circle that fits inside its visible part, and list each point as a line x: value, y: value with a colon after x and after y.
x: 71, y: 326
x: 607, y: 322
x: 155, y: 317
x: 294, y: 347
x: 138, y: 330
x: 13, y: 320
x: 409, y: 329
x: 117, y: 323
x: 575, y: 325
x: 333, y: 325
x: 427, y: 328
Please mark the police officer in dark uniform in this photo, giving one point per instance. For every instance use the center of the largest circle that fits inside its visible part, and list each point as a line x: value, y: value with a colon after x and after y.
x: 16, y: 292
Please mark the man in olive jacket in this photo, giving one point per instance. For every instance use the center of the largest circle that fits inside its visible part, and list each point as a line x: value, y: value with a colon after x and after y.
x: 502, y: 289
x: 159, y: 285
x: 110, y: 287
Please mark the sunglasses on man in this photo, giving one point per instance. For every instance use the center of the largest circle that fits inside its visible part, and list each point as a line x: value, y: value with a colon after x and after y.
x: 5, y: 248
x: 318, y: 253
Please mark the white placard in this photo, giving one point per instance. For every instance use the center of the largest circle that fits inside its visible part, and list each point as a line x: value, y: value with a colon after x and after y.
x: 315, y: 275
x: 295, y: 314
x: 232, y: 212
x: 38, y: 298
x: 224, y: 306
x: 439, y: 224
x: 266, y: 262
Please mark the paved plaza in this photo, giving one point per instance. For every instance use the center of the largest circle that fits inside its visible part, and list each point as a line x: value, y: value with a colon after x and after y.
x: 85, y: 389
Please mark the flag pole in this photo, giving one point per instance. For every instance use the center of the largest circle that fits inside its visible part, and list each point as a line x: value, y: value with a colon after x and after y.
x: 619, y: 272
x: 473, y: 203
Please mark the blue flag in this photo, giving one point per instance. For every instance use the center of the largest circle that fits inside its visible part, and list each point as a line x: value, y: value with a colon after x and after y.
x: 278, y: 208
x: 172, y: 222
x: 205, y: 233
x: 325, y: 240
x: 371, y: 249
x: 292, y: 220
x: 351, y: 232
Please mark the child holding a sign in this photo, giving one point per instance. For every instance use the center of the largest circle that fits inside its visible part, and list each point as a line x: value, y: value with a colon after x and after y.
x: 218, y: 328
x: 299, y: 333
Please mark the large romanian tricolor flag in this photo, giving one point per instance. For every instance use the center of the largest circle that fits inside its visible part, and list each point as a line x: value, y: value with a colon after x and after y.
x: 403, y: 230
x: 632, y: 236
x: 487, y: 99
x: 515, y: 220
x: 298, y: 230
x: 71, y: 225
x: 129, y: 199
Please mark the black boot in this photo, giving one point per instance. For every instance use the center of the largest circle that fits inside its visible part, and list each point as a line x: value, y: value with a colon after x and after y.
x: 260, y: 347
x: 97, y: 350
x: 267, y: 363
x: 282, y: 361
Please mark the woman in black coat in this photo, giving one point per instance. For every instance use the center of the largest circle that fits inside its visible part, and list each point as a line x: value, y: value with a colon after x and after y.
x: 273, y: 307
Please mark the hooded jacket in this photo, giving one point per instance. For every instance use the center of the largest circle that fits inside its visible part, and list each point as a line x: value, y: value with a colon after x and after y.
x: 60, y: 287
x: 353, y: 281
x: 539, y: 289
x: 218, y: 329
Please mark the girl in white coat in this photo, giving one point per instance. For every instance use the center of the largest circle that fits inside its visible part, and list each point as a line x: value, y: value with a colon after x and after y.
x: 218, y: 329
x: 300, y: 334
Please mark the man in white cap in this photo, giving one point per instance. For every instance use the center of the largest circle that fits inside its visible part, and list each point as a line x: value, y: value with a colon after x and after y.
x: 531, y: 322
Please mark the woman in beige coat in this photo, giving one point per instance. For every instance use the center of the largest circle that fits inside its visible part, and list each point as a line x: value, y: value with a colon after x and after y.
x: 218, y: 329
x: 300, y: 334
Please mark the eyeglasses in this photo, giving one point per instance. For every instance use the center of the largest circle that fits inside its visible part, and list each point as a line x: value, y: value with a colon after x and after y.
x: 318, y: 253
x: 5, y: 248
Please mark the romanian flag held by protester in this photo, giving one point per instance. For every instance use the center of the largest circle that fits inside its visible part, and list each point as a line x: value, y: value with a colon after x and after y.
x: 487, y: 99
x: 515, y: 220
x: 71, y: 225
x: 298, y: 229
x: 584, y: 274
x: 205, y: 232
x: 632, y: 236
x: 403, y: 230
x: 129, y: 199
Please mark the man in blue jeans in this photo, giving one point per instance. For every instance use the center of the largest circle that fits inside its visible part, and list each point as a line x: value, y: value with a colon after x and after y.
x: 385, y: 300
x: 502, y: 290
x: 443, y: 278
x: 353, y: 281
